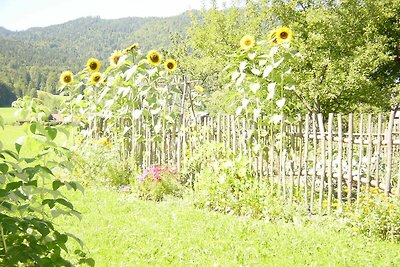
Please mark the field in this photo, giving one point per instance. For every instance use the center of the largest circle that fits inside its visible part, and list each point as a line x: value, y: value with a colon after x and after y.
x: 119, y: 230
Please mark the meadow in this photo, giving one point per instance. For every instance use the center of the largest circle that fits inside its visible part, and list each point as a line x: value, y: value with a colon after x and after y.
x: 119, y: 229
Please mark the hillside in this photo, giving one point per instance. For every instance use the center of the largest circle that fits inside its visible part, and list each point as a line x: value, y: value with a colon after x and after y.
x: 33, y: 59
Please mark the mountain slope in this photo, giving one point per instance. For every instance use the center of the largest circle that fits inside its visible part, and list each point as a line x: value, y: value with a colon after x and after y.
x: 33, y: 59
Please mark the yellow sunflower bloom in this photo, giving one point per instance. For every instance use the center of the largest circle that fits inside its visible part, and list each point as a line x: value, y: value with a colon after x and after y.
x: 272, y: 37
x: 247, y: 42
x: 154, y: 57
x: 283, y: 35
x: 170, y: 65
x: 66, y: 77
x: 115, y: 57
x: 132, y: 48
x: 93, y: 65
x: 95, y: 77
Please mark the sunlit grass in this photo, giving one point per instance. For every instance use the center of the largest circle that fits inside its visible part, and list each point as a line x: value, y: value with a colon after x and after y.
x: 8, y: 115
x: 120, y: 230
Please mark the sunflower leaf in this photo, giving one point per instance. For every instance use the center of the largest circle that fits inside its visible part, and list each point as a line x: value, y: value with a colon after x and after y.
x: 241, y: 79
x: 128, y: 74
x: 254, y: 87
x: 268, y: 69
x: 242, y: 66
x: 235, y: 75
x: 281, y: 102
x: 271, y: 91
x: 256, y: 71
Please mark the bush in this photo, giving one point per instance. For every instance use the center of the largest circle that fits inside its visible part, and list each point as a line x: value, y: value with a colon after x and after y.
x: 158, y: 181
x: 101, y: 162
x: 375, y: 215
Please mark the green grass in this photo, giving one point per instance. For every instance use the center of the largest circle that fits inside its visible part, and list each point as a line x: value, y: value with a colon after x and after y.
x: 120, y: 230
x: 12, y: 132
x: 8, y: 115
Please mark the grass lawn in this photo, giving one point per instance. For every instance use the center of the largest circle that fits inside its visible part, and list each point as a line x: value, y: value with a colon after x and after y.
x: 119, y: 230
x: 12, y: 132
x: 8, y: 115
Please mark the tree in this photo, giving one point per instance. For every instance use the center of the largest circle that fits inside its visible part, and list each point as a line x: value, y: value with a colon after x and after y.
x: 349, y: 57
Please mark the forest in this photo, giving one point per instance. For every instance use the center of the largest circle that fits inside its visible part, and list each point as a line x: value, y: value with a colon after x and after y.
x: 33, y: 59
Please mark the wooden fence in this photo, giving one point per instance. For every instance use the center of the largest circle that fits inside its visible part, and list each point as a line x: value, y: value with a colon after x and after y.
x: 321, y: 161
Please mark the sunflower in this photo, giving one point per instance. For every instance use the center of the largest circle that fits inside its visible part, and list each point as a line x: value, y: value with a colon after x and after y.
x: 154, y: 57
x: 132, y: 48
x: 283, y: 35
x: 170, y: 65
x: 115, y: 57
x: 95, y: 77
x: 66, y: 77
x: 272, y: 37
x: 93, y: 65
x: 247, y: 42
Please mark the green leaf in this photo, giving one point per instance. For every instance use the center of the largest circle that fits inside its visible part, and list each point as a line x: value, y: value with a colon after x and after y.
x: 31, y: 171
x: 256, y: 71
x: 254, y: 87
x: 33, y: 127
x: 268, y: 69
x: 11, y: 153
x: 41, y: 227
x: 13, y: 186
x: 65, y: 203
x: 271, y: 91
x: 46, y: 170
x: 242, y: 66
x: 3, y: 168
x: 19, y: 143
x: 75, y: 186
x: 57, y: 184
x: 52, y: 132
x: 49, y: 202
x: 32, y: 183
x: 4, y: 192
x: 241, y: 79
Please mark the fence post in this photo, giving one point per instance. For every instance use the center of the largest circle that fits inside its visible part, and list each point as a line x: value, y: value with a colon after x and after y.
x: 389, y: 153
x: 323, y: 152
x: 350, y: 160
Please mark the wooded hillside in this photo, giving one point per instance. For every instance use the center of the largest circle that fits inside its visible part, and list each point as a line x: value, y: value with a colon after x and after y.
x: 33, y: 59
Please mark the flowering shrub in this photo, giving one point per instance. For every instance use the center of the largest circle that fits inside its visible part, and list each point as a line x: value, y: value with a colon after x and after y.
x: 158, y: 181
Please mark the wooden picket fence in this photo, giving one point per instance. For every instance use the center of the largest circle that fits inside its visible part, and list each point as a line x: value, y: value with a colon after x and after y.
x: 321, y: 161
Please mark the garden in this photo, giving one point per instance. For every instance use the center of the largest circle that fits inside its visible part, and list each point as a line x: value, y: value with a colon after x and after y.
x: 148, y: 164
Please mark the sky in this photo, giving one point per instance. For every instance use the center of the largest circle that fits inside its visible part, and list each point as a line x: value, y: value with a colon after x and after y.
x: 23, y: 14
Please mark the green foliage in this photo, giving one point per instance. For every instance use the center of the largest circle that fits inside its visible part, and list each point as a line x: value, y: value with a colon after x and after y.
x: 101, y: 162
x: 30, y: 196
x: 263, y: 82
x: 348, y: 50
x: 226, y: 182
x: 376, y: 216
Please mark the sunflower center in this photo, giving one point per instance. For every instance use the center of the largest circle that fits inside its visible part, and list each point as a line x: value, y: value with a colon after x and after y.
x: 67, y: 79
x: 247, y: 42
x: 116, y: 58
x: 284, y: 35
x: 93, y: 65
x: 170, y: 65
x: 154, y: 58
x: 96, y: 78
